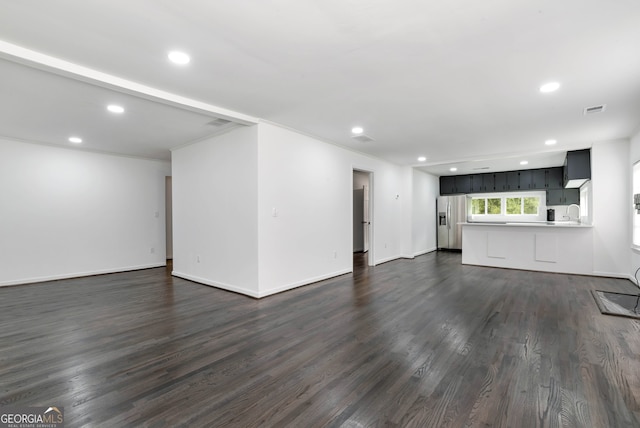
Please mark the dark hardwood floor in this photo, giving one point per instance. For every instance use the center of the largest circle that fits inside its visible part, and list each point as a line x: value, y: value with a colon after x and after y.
x: 410, y: 343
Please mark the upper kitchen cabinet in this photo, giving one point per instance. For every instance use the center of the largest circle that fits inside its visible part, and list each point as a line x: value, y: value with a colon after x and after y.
x: 555, y: 179
x: 500, y: 182
x: 455, y: 184
x: 577, y: 168
x: 538, y: 179
x: 447, y: 185
x: 513, y: 180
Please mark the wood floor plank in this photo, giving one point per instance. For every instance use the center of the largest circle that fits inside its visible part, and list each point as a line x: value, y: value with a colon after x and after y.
x: 424, y: 342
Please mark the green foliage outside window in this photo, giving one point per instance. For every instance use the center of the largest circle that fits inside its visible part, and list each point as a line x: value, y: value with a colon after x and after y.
x: 514, y: 205
x: 478, y: 206
x: 494, y: 206
x: 531, y: 205
x: 528, y: 205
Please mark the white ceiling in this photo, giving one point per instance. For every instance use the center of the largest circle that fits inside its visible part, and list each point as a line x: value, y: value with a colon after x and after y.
x: 454, y: 81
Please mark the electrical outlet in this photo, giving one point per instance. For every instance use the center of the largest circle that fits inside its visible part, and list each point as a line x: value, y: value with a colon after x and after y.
x: 335, y: 254
x: 198, y: 259
x: 153, y: 250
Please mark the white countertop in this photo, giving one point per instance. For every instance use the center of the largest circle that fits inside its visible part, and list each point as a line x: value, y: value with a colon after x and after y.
x: 569, y: 224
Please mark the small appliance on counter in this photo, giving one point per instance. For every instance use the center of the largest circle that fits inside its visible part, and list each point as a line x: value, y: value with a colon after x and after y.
x: 551, y: 215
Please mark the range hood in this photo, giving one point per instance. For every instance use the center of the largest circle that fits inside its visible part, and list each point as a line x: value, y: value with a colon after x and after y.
x: 577, y: 168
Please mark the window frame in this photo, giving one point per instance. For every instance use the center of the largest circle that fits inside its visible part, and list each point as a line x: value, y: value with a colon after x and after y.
x: 504, y: 216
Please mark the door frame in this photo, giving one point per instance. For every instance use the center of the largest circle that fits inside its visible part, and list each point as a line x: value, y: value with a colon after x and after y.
x: 370, y: 232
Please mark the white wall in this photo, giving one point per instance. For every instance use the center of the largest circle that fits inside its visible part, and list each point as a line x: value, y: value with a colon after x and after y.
x: 215, y: 194
x: 425, y: 193
x: 268, y: 209
x: 67, y: 213
x: 610, y: 181
x: 309, y: 183
x: 634, y: 156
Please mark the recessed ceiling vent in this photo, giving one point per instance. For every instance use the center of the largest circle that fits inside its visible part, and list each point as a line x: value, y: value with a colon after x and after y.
x: 595, y: 109
x: 218, y: 122
x: 362, y: 138
x: 482, y: 167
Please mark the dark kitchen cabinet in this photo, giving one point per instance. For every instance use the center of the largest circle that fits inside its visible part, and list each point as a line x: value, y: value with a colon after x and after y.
x: 538, y: 179
x: 513, y: 180
x: 447, y: 185
x: 577, y: 167
x: 463, y: 183
x: 500, y: 182
x: 525, y: 179
x: 488, y: 182
x: 455, y: 184
x: 477, y: 183
x: 563, y: 196
x: 554, y: 178
x: 510, y: 181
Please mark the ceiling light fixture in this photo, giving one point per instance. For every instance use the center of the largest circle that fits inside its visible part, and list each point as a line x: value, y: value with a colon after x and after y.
x: 550, y: 142
x: 75, y: 140
x: 422, y: 159
x: 115, y: 108
x: 524, y: 162
x: 357, y: 130
x: 549, y: 87
x: 454, y: 169
x: 178, y: 57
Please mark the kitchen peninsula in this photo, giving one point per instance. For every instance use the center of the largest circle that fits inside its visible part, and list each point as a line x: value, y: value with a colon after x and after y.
x: 565, y: 247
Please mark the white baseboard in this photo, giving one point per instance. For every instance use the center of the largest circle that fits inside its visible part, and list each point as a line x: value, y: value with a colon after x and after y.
x: 307, y: 281
x: 216, y: 284
x: 420, y: 253
x: 388, y: 259
x: 614, y: 275
x: 78, y: 274
x: 259, y: 294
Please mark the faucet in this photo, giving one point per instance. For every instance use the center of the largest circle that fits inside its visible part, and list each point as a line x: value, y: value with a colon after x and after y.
x: 569, y: 215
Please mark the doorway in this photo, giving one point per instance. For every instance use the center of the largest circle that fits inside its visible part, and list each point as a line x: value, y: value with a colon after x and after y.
x: 362, y: 224
x: 168, y: 203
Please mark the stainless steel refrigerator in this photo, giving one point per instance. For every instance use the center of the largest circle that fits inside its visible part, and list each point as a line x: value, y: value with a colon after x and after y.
x: 452, y: 212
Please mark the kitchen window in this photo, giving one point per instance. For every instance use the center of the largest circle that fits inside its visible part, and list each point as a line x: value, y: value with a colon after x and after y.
x: 526, y: 205
x: 512, y: 207
x: 484, y: 206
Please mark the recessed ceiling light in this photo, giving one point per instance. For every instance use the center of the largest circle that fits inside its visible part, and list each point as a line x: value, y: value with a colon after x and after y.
x: 524, y: 162
x: 178, y: 57
x: 75, y: 140
x: 550, y: 142
x: 422, y: 159
x: 549, y: 87
x: 357, y: 130
x: 454, y: 169
x: 115, y: 108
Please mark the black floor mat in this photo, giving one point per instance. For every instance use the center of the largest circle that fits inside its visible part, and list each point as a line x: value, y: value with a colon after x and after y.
x: 620, y: 304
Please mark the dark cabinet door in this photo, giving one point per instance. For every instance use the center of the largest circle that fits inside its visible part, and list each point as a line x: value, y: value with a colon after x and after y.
x: 447, y: 185
x: 538, y: 179
x: 525, y: 180
x: 488, y: 183
x: 563, y: 196
x: 463, y: 183
x: 571, y: 196
x: 500, y: 182
x: 554, y: 196
x: 577, y: 165
x: 477, y: 184
x: 554, y: 178
x: 513, y: 180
